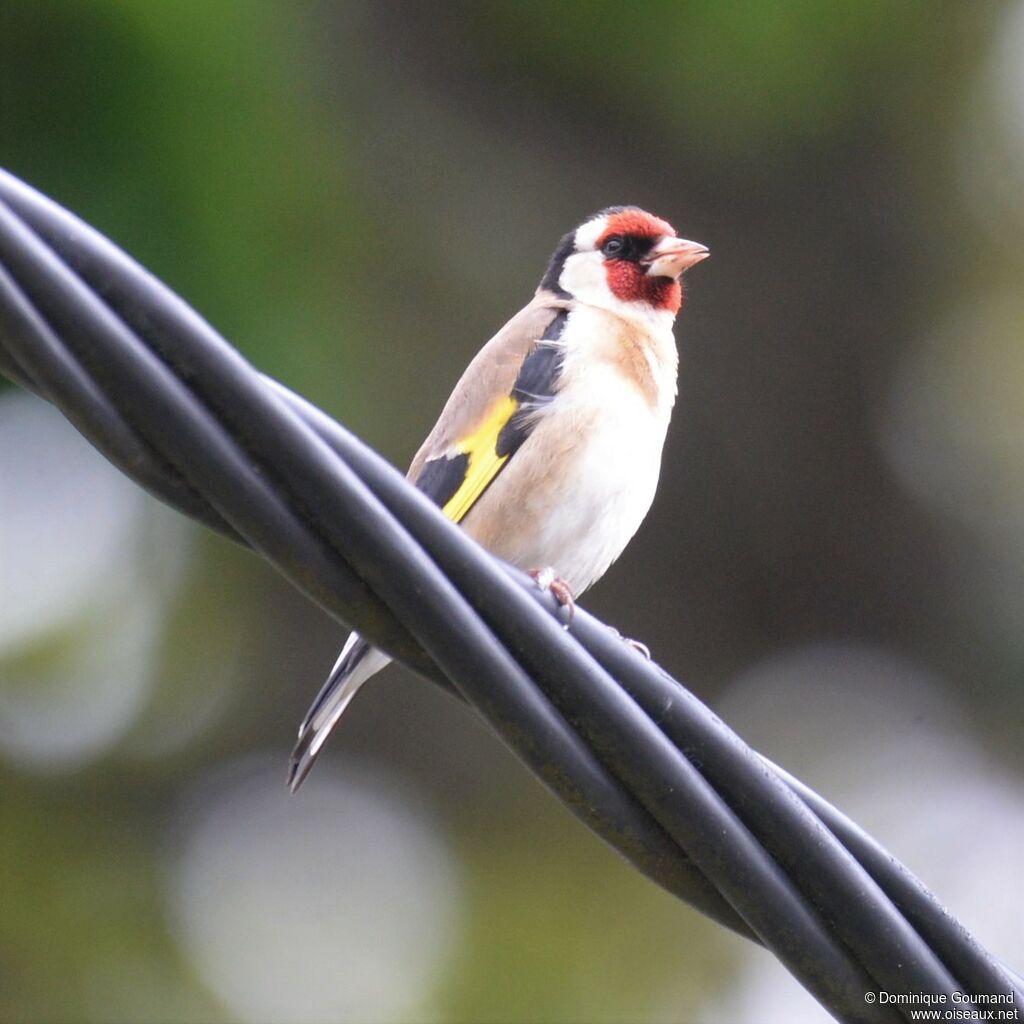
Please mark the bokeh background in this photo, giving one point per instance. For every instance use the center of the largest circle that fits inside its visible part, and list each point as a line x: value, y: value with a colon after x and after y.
x: 358, y: 194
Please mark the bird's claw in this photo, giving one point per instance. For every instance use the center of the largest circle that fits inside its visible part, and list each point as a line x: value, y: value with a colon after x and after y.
x: 547, y: 579
x: 635, y: 644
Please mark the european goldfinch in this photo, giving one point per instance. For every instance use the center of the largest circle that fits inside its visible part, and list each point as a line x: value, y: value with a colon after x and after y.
x: 549, y: 448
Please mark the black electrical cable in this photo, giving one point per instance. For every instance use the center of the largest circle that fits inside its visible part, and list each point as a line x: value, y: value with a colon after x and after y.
x: 67, y: 387
x: 626, y: 821
x: 840, y: 912
x: 951, y: 941
x: 958, y: 949
x: 421, y: 594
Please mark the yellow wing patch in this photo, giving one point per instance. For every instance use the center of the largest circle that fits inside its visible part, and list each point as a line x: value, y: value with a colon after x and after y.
x: 484, y: 460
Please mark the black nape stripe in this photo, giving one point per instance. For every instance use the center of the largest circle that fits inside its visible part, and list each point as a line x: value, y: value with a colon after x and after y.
x: 535, y: 385
x: 566, y: 247
x: 442, y: 477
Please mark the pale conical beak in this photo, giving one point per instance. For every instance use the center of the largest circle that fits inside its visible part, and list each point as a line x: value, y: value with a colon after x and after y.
x: 671, y: 256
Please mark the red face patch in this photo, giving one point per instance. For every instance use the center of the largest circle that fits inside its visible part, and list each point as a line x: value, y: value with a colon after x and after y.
x: 627, y: 280
x: 629, y: 283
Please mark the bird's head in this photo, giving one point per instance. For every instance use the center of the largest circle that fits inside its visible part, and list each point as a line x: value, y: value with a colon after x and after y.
x: 623, y: 259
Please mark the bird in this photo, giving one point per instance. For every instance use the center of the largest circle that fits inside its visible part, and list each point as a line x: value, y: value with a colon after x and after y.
x: 549, y: 449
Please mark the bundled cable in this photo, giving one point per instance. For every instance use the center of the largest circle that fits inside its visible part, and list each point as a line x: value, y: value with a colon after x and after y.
x: 627, y: 748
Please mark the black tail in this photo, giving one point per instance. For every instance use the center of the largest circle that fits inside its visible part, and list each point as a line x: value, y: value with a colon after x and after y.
x: 356, y: 663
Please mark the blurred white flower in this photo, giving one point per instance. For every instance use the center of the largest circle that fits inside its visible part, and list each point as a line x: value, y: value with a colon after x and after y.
x: 954, y: 427
x: 83, y: 588
x: 953, y: 434
x: 338, y: 904
x: 59, y: 715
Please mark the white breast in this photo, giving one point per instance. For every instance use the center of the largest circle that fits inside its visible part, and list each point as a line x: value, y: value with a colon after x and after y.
x: 581, y: 485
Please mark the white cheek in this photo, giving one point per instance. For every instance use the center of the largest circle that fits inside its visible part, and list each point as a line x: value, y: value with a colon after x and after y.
x: 584, y: 277
x: 588, y: 234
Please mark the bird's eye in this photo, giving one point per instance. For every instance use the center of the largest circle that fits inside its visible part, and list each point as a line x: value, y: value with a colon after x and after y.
x: 614, y: 246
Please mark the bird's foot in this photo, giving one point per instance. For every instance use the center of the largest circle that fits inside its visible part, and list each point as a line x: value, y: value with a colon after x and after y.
x: 548, y: 579
x: 635, y: 644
